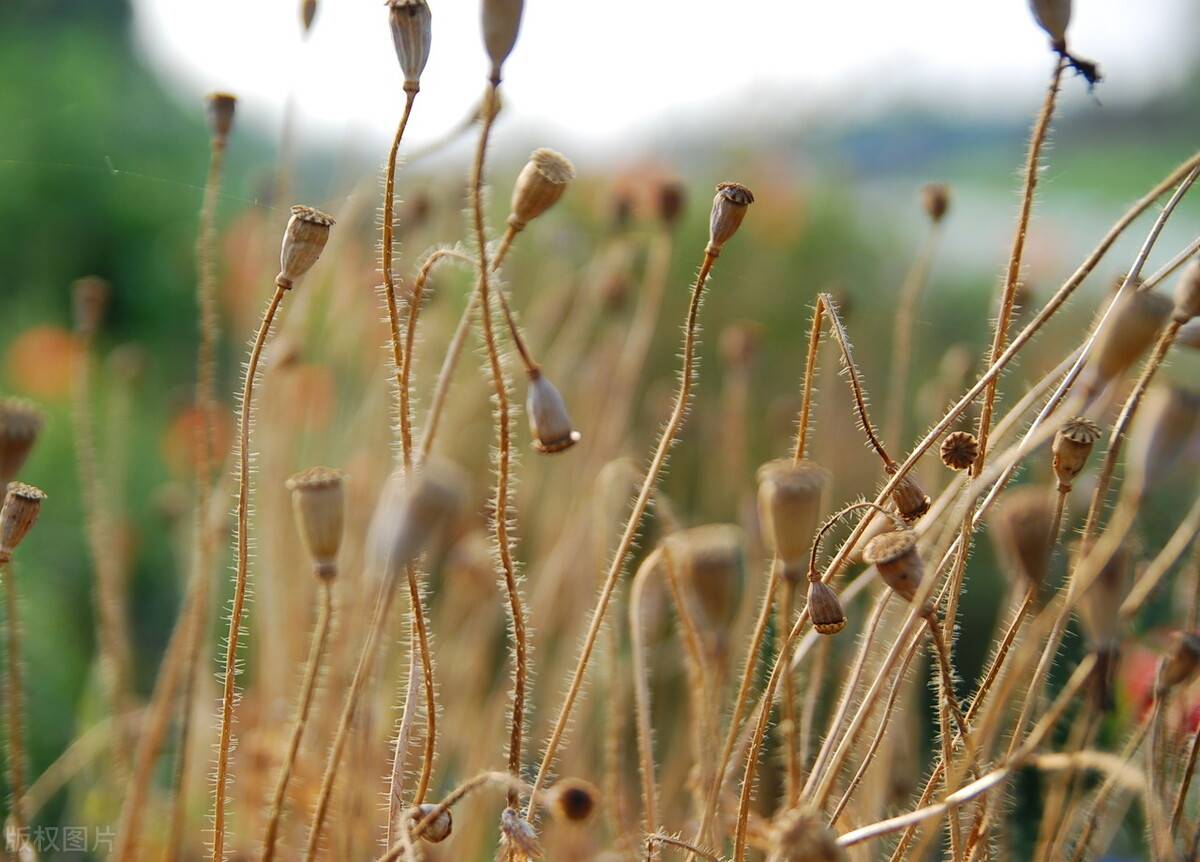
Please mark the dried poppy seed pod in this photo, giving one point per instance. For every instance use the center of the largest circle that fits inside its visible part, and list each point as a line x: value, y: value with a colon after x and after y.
x: 1053, y: 16
x: 412, y: 32
x: 501, y: 23
x: 825, y: 608
x: 895, y: 555
x: 935, y: 200
x: 308, y: 13
x: 710, y: 564
x: 801, y: 835
x: 89, y: 299
x: 959, y: 450
x: 1133, y: 326
x: 790, y: 497
x: 1181, y: 662
x: 303, y: 241
x: 220, y: 108
x: 319, y: 502
x: 1165, y: 428
x: 728, y: 210
x: 549, y: 421
x: 539, y: 186
x: 1020, y: 524
x: 573, y: 800
x: 910, y: 498
x: 21, y: 506
x: 439, y: 828
x: 411, y: 511
x: 670, y: 201
x: 1187, y: 294
x: 518, y: 836
x: 20, y: 423
x: 1099, y: 605
x: 1072, y: 445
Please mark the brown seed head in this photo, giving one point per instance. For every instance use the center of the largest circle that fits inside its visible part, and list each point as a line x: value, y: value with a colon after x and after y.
x: 20, y: 423
x: 319, y: 503
x: 1020, y: 524
x: 800, y: 835
x: 1132, y: 327
x: 1187, y: 294
x: 220, y: 108
x: 549, y: 421
x: 825, y: 608
x: 710, y: 564
x: 411, y: 511
x: 1166, y: 426
x: 518, y: 836
x: 1053, y: 16
x: 728, y: 210
x: 303, y: 241
x: 308, y: 12
x: 573, y: 800
x: 1072, y: 445
x: 21, y: 506
x: 910, y: 498
x: 539, y: 186
x: 411, y: 23
x: 959, y: 450
x: 1181, y: 662
x: 1100, y: 604
x: 671, y: 199
x: 501, y: 23
x: 790, y: 497
x: 89, y: 300
x: 895, y: 555
x: 935, y: 199
x: 441, y: 826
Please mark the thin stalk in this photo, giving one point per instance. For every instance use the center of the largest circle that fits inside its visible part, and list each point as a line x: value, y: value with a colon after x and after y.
x: 1062, y: 796
x: 1107, y: 788
x: 641, y: 698
x: 1154, y: 772
x: 14, y: 696
x: 1188, y: 772
x: 1150, y: 577
x: 816, y: 682
x: 787, y: 726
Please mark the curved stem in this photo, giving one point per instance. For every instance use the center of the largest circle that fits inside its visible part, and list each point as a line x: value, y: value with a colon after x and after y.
x: 389, y: 278
x: 856, y: 387
x: 1107, y: 788
x: 641, y: 695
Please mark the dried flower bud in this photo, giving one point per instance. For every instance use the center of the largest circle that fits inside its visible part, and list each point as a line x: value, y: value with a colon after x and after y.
x: 549, y: 421
x: 573, y: 800
x: 710, y: 564
x: 740, y: 342
x: 935, y: 199
x: 960, y: 450
x: 518, y: 836
x: 672, y: 198
x: 21, y: 506
x: 308, y: 13
x: 910, y: 498
x: 801, y: 835
x: 825, y: 608
x: 1187, y: 294
x: 790, y: 497
x: 319, y: 502
x: 895, y: 555
x: 1053, y: 16
x: 439, y: 828
x: 1020, y: 524
x: 1132, y: 327
x: 501, y: 23
x: 1181, y: 662
x: 411, y: 23
x: 1072, y: 445
x: 20, y: 423
x: 220, y: 108
x: 539, y: 186
x: 89, y: 297
x: 728, y: 210
x: 1167, y: 424
x: 303, y: 241
x: 1099, y: 605
x: 411, y: 510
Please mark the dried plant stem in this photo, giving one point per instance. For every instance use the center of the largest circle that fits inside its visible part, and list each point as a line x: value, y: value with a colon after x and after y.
x: 1189, y: 771
x: 666, y: 438
x: 855, y: 380
x: 1155, y: 767
x: 902, y: 333
x: 1062, y: 796
x: 308, y: 686
x: 788, y: 726
x: 816, y: 682
x: 659, y: 839
x: 641, y: 699
x: 14, y: 698
x: 1107, y: 788
x: 229, y: 693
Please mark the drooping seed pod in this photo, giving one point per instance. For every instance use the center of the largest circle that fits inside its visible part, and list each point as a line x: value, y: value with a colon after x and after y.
x: 959, y: 450
x: 518, y: 836
x: 728, y: 210
x: 573, y: 800
x: 412, y: 33
x: 825, y: 608
x: 411, y: 511
x: 22, y: 504
x: 802, y: 835
x: 895, y: 555
x: 308, y: 13
x: 1053, y: 16
x: 303, y: 241
x: 1181, y: 662
x: 671, y: 200
x: 1099, y: 610
x: 89, y: 299
x: 1020, y: 525
x: 549, y: 421
x: 710, y: 565
x: 501, y: 23
x: 1187, y: 294
x: 440, y: 828
x: 1167, y: 424
x: 935, y: 200
x: 540, y: 185
x: 790, y: 497
x: 220, y: 108
x: 1132, y: 328
x: 1072, y: 445
x: 319, y: 502
x: 910, y: 498
x: 20, y: 423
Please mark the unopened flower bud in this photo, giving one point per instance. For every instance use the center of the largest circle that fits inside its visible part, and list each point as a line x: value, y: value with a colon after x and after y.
x: 573, y: 800
x: 89, y: 300
x: 412, y: 509
x: 895, y: 555
x: 549, y: 421
x: 1100, y: 604
x: 411, y: 23
x: 220, y: 109
x: 539, y: 186
x: 1072, y: 445
x: 308, y: 13
x: 935, y: 199
x: 318, y: 499
x: 21, y: 506
x: 20, y: 423
x: 710, y: 563
x: 1020, y: 524
x: 501, y: 23
x: 1165, y: 428
x: 439, y: 828
x: 910, y: 498
x: 790, y: 496
x: 728, y: 210
x: 825, y: 608
x: 959, y: 450
x: 1181, y: 662
x: 303, y: 241
x: 1132, y: 327
x: 1053, y: 16
x: 1187, y: 294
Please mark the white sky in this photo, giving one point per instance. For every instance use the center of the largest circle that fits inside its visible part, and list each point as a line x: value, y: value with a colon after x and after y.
x: 590, y: 74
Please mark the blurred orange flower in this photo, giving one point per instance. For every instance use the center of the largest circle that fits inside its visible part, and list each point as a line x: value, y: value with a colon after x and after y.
x: 41, y: 362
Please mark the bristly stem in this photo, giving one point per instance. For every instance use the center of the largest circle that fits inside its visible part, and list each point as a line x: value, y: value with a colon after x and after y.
x: 641, y: 694
x: 856, y: 388
x: 14, y: 696
x: 229, y: 693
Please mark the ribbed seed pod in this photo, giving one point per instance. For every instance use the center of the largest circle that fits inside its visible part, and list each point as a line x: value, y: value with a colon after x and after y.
x: 518, y: 836
x: 728, y: 210
x: 411, y: 511
x: 220, y: 108
x: 303, y: 241
x: 1181, y: 661
x: 959, y: 450
x: 1053, y: 16
x: 895, y: 555
x: 319, y: 502
x: 935, y: 200
x: 441, y: 827
x: 539, y: 186
x: 573, y: 800
x: 20, y: 423
x: 22, y: 504
x: 710, y: 564
x: 412, y: 33
x: 800, y: 835
x: 549, y: 421
x: 1020, y: 524
x: 1187, y: 294
x: 790, y: 498
x: 89, y: 299
x: 1165, y: 427
x: 910, y: 498
x: 1073, y: 444
x: 501, y: 23
x: 825, y: 608
x: 1132, y: 327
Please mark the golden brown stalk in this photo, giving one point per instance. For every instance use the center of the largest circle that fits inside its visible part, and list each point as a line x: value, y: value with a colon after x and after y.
x: 389, y: 278
x: 641, y: 693
x: 1106, y: 790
